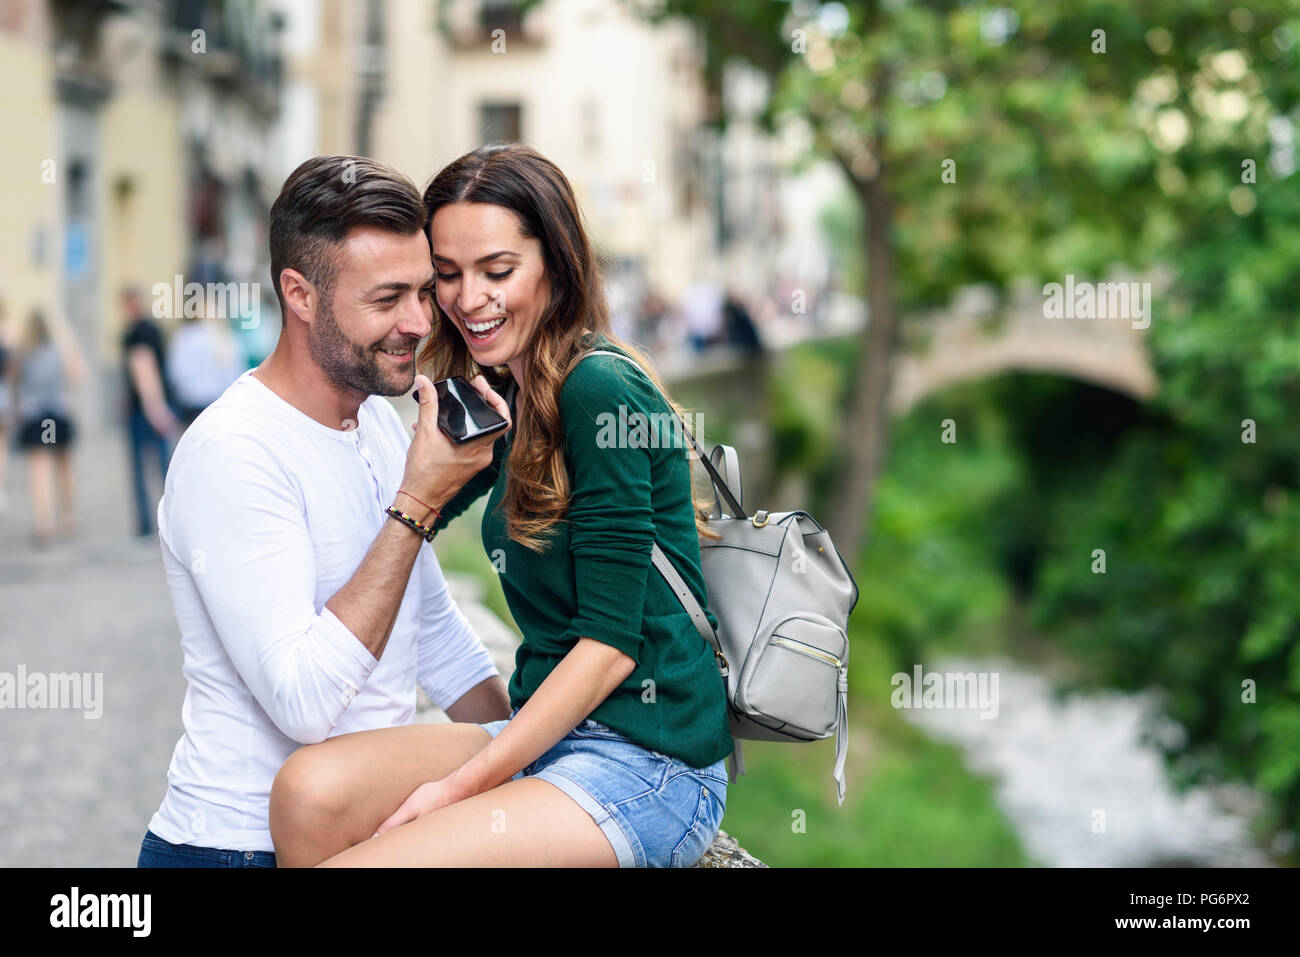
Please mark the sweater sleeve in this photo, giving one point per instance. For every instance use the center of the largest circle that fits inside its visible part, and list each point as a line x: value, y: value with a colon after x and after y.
x: 611, y: 521
x: 474, y: 489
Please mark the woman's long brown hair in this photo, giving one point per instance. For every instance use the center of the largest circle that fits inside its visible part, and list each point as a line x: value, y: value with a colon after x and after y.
x: 523, y: 181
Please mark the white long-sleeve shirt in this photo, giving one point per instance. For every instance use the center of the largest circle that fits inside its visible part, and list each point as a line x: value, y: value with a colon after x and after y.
x: 266, y: 513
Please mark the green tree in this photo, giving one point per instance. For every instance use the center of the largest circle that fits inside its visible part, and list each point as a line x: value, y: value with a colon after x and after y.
x: 986, y: 142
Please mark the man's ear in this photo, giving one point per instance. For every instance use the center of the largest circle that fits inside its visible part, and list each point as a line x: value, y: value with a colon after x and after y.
x: 299, y: 294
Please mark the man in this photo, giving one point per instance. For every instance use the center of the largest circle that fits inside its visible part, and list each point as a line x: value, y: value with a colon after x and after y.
x: 306, y: 610
x: 151, y: 425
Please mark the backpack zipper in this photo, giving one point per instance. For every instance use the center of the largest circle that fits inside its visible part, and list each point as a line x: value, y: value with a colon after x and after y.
x: 811, y: 651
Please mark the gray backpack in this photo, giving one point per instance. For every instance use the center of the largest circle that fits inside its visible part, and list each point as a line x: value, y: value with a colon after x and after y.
x: 782, y: 595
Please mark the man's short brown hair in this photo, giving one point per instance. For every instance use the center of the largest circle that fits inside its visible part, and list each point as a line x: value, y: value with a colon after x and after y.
x: 324, y: 199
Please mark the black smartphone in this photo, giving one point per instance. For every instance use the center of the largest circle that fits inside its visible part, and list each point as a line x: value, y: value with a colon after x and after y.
x: 463, y: 414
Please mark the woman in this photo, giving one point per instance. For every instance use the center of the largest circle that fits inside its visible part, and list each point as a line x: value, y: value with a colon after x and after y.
x: 48, y: 365
x: 613, y: 754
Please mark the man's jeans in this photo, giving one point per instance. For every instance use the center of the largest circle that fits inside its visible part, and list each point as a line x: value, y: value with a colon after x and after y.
x: 142, y: 437
x: 155, y: 852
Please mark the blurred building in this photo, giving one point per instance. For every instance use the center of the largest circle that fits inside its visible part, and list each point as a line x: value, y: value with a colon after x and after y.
x: 618, y: 104
x: 146, y: 139
x: 136, y: 150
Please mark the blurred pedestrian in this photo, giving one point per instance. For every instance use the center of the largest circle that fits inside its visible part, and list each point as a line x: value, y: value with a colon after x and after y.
x: 739, y: 325
x: 152, y: 426
x: 8, y: 398
x: 654, y: 321
x: 702, y: 309
x: 202, y: 361
x: 48, y: 364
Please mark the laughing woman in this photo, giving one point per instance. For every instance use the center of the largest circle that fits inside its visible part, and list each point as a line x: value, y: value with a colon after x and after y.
x: 613, y: 752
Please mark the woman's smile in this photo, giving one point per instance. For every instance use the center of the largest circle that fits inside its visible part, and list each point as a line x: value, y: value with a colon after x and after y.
x: 481, y: 332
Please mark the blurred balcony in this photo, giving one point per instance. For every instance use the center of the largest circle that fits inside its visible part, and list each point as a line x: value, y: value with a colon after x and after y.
x: 470, y: 24
x: 233, y: 45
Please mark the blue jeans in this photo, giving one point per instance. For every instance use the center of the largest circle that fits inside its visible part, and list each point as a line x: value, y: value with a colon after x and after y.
x: 155, y: 852
x: 143, y: 437
x: 656, y: 810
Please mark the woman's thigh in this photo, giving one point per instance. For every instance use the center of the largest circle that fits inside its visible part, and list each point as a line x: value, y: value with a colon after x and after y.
x: 359, y: 779
x: 522, y: 823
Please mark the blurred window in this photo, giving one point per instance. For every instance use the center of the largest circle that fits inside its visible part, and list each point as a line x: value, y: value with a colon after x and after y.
x: 500, y: 15
x: 500, y: 123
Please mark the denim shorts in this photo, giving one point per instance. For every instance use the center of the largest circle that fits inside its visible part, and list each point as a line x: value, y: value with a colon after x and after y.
x: 156, y: 852
x: 656, y: 810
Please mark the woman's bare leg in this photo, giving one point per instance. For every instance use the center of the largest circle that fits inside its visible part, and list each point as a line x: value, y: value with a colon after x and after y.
x: 40, y: 479
x: 332, y: 795
x: 524, y: 823
x: 67, y: 493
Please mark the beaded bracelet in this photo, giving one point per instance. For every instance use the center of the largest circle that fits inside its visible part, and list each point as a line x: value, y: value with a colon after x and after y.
x: 423, y: 531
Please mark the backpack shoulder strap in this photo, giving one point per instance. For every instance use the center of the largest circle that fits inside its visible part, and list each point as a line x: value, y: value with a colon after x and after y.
x: 720, y: 485
x: 675, y: 582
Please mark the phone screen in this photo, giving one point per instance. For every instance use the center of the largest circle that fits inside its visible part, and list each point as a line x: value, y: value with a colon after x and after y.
x: 462, y: 412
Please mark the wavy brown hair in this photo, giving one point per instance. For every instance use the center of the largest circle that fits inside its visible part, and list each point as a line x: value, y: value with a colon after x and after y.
x: 523, y: 181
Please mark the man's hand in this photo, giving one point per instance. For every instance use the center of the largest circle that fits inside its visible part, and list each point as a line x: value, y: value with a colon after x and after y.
x: 436, y: 467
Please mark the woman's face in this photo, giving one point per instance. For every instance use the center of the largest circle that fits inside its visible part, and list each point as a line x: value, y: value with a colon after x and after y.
x: 490, y: 280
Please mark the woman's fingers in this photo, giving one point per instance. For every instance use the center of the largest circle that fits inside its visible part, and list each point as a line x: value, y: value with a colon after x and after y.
x: 413, y: 807
x: 498, y: 403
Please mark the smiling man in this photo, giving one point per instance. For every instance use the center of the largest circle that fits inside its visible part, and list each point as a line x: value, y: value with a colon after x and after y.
x: 306, y: 609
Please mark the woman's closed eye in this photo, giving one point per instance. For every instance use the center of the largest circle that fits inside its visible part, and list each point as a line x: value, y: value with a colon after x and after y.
x: 490, y: 275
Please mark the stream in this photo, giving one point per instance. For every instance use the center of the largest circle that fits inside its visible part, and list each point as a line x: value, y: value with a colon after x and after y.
x: 1082, y: 780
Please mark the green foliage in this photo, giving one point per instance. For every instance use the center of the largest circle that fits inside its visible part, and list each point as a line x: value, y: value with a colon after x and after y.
x: 934, y: 568
x: 805, y: 422
x: 841, y: 225
x: 1199, y: 526
x: 914, y: 805
x: 931, y: 576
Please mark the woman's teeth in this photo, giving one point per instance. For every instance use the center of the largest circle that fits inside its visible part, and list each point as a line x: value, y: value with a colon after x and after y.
x: 481, y: 329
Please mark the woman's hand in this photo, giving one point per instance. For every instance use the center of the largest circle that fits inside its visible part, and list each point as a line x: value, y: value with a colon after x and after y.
x: 425, y: 799
x: 437, y: 467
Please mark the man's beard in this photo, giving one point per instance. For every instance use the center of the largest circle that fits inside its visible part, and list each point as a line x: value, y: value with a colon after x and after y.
x: 350, y: 365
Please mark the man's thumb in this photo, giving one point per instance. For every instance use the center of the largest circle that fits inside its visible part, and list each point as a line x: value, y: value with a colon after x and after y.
x: 423, y: 389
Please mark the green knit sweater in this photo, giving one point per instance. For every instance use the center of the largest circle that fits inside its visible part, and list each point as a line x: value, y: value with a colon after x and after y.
x: 595, y: 578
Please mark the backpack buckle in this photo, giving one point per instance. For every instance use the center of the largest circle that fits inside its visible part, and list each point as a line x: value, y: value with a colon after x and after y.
x: 757, y: 523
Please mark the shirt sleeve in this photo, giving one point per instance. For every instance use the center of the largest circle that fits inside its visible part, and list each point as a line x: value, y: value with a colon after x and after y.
x: 238, y: 521
x: 611, y: 520
x: 452, y: 659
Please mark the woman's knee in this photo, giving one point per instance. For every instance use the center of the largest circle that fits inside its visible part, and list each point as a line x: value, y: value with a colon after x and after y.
x: 310, y: 794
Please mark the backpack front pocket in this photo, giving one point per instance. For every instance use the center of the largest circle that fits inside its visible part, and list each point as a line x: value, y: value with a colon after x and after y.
x: 794, y: 677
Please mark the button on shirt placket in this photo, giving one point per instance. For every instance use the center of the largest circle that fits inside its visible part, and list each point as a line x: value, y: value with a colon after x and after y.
x: 362, y: 446
x: 363, y: 450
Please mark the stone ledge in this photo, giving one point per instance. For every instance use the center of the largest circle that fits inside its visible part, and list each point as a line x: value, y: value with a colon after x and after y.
x: 725, y: 851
